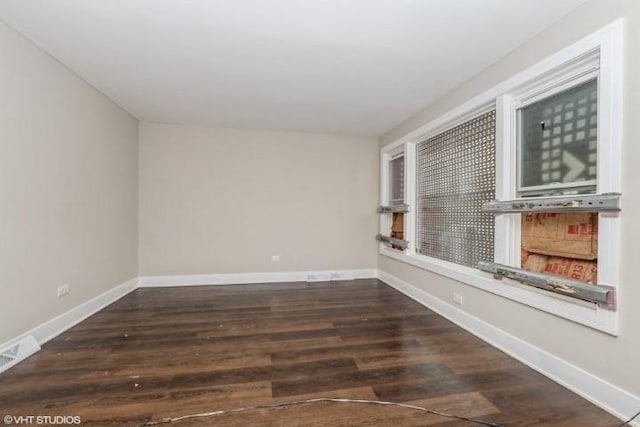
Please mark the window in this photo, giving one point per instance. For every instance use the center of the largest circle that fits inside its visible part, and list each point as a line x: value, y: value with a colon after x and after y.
x: 396, y: 180
x: 557, y: 142
x: 393, y: 201
x: 551, y: 132
x: 557, y: 155
x: 396, y: 197
x: 455, y: 176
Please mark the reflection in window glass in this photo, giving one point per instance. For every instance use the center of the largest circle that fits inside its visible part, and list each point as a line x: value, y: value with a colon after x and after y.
x: 396, y: 185
x: 558, y: 141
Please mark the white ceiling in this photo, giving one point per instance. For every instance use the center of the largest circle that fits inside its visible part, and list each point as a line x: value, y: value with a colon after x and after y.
x: 336, y: 66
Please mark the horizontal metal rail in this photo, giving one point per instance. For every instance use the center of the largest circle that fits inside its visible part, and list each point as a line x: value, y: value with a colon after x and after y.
x: 603, y: 295
x: 609, y: 202
x: 393, y: 208
x: 392, y: 241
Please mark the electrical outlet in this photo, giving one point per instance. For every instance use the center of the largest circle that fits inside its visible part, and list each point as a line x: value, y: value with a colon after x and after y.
x: 63, y: 290
x: 275, y: 258
x: 457, y: 298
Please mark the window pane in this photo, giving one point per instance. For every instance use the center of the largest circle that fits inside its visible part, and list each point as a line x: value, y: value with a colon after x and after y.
x: 455, y: 176
x: 558, y: 139
x: 396, y: 175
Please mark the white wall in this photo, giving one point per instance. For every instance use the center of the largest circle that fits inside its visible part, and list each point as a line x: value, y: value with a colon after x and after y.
x: 612, y: 359
x: 218, y: 200
x: 67, y: 188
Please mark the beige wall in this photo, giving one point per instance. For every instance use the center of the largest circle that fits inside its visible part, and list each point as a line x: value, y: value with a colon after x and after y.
x: 613, y: 359
x: 67, y: 188
x: 223, y: 200
x: 218, y: 200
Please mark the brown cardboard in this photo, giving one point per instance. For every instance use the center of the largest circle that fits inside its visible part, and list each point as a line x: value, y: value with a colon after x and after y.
x: 536, y: 262
x: 397, y: 227
x: 571, y: 235
x: 583, y: 271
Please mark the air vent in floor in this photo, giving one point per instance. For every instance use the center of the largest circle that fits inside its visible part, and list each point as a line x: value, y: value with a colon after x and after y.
x: 17, y: 352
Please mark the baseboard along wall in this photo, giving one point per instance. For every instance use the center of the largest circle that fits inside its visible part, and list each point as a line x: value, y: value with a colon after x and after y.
x: 268, y: 277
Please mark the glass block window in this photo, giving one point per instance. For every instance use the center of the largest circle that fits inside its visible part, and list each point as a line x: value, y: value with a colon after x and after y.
x: 558, y: 142
x: 396, y: 181
x: 455, y: 176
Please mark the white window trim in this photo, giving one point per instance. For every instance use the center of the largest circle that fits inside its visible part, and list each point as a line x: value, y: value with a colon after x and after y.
x: 608, y: 41
x: 410, y: 196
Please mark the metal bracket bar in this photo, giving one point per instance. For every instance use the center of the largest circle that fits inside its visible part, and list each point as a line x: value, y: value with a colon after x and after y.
x: 393, y: 208
x: 608, y: 202
x: 603, y: 295
x: 392, y: 242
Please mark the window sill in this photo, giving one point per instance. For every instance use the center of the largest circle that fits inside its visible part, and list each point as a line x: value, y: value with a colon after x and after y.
x: 586, y: 314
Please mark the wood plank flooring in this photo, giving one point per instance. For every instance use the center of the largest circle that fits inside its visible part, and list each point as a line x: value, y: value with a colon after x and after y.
x: 170, y: 352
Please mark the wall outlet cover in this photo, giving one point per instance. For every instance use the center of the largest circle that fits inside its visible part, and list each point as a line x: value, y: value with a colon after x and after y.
x: 63, y: 290
x: 457, y: 298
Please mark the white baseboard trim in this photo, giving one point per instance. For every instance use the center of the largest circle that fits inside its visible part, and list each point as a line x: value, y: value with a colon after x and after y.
x: 608, y: 396
x: 246, y: 278
x: 54, y: 327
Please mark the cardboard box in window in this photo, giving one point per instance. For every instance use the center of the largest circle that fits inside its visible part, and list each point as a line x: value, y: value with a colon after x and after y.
x: 535, y: 262
x: 575, y: 269
x: 570, y: 235
x: 397, y: 227
x: 583, y: 271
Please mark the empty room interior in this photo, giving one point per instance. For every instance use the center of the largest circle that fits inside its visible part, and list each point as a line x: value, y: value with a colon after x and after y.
x: 319, y: 212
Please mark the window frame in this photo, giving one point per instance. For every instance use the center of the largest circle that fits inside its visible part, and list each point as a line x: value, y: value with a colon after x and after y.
x: 386, y: 156
x: 537, y: 80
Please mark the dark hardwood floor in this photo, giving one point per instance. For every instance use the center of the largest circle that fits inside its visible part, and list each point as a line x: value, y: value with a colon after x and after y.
x: 169, y: 352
